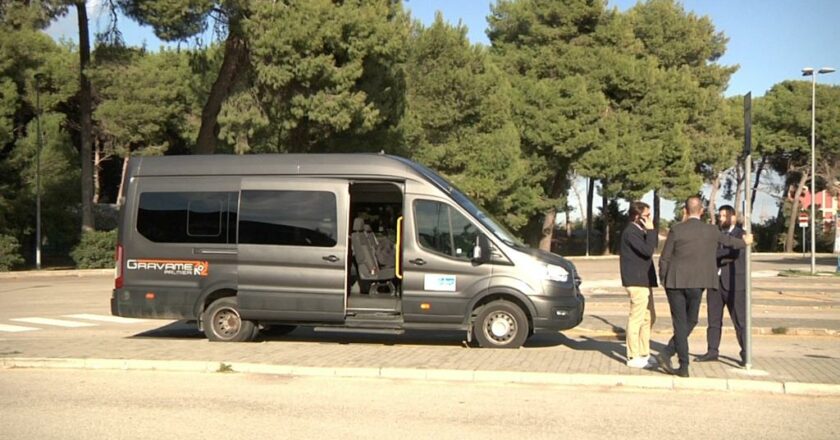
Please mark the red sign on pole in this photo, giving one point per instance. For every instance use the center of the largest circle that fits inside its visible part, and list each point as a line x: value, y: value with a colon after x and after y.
x: 803, y: 219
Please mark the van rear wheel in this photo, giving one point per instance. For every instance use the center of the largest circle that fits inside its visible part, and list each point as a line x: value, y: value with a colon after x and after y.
x: 501, y: 324
x: 223, y: 323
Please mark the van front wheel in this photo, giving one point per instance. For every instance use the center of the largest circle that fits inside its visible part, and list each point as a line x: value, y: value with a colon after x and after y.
x: 223, y: 323
x: 501, y: 324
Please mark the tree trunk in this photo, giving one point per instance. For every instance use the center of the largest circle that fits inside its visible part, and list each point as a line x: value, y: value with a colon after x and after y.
x: 590, y: 196
x: 605, y: 213
x: 739, y: 188
x: 794, y: 211
x: 97, y: 159
x: 758, y: 171
x: 85, y: 119
x: 656, y: 202
x: 233, y: 63
x: 120, y: 194
x: 713, y: 200
x: 547, y: 232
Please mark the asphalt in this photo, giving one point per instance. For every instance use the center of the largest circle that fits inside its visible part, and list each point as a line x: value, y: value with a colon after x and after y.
x: 788, y: 356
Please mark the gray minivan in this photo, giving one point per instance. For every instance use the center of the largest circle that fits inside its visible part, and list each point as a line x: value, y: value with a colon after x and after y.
x: 340, y: 242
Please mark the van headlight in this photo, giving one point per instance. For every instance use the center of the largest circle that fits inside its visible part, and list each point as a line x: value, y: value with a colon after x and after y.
x: 551, y: 272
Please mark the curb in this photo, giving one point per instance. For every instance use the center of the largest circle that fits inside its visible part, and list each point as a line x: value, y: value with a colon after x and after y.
x: 56, y: 273
x: 761, y: 331
x: 442, y: 375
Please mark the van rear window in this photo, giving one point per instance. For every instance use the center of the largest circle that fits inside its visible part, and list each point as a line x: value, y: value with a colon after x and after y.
x: 188, y: 217
x: 288, y: 218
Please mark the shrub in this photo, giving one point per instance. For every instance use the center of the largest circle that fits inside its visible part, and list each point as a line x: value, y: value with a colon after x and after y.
x: 96, y: 250
x: 9, y: 252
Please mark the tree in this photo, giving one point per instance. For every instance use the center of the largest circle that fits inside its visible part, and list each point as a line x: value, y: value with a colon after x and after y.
x: 178, y: 20
x: 328, y: 75
x: 458, y: 121
x: 545, y: 47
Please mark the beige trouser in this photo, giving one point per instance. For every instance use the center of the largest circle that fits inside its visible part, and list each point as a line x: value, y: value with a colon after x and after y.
x: 642, y: 317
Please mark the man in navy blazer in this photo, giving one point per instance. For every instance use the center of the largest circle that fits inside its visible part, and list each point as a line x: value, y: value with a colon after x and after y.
x: 731, y: 291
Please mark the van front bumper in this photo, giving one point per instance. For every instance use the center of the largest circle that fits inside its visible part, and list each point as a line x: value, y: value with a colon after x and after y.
x: 558, y: 312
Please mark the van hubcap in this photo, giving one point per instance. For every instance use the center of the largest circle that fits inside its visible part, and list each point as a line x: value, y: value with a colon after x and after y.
x: 227, y: 323
x: 500, y: 327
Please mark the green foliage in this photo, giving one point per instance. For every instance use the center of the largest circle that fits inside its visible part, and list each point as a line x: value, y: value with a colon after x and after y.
x: 96, y: 250
x: 328, y: 74
x: 9, y: 253
x: 458, y: 121
x: 146, y: 100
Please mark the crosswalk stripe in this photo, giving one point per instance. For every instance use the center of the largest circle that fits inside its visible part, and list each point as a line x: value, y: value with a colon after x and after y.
x: 16, y: 328
x: 55, y: 322
x: 105, y: 318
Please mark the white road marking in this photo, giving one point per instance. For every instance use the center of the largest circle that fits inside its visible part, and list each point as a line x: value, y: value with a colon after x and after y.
x: 16, y: 328
x: 55, y: 322
x: 105, y: 318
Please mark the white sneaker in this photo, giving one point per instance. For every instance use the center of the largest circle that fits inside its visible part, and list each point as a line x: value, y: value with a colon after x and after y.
x: 638, y: 362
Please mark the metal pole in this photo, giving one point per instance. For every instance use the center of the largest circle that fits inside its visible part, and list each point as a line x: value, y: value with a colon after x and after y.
x: 813, y: 175
x: 588, y: 210
x: 38, y: 174
x: 748, y: 228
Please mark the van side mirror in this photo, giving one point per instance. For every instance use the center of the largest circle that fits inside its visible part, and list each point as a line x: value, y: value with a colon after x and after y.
x: 481, y: 251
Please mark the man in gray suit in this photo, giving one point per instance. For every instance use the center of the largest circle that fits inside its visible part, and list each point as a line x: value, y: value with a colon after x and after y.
x: 687, y: 266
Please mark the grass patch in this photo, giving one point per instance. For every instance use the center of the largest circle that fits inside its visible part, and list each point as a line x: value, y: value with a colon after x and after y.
x: 224, y: 368
x: 779, y: 330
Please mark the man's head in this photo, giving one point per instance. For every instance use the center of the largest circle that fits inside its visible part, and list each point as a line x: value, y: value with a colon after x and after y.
x: 694, y: 206
x: 726, y: 216
x: 638, y: 210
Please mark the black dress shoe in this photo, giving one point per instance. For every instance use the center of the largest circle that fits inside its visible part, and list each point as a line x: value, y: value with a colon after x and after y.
x: 708, y: 357
x: 682, y: 372
x: 665, y: 362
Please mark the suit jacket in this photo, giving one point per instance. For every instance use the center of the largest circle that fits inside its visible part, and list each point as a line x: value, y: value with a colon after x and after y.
x: 688, y: 260
x: 733, y: 265
x: 636, y: 256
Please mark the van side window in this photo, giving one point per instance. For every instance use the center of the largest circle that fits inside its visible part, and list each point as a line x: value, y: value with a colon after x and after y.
x: 288, y: 218
x: 444, y: 230
x: 187, y: 217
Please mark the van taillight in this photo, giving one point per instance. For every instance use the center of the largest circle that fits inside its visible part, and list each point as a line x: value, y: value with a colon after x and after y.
x: 118, y: 270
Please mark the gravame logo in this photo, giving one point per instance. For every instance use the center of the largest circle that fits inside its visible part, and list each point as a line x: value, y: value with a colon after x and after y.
x: 171, y: 267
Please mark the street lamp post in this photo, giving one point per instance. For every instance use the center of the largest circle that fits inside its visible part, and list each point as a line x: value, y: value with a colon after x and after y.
x: 809, y: 71
x: 38, y: 77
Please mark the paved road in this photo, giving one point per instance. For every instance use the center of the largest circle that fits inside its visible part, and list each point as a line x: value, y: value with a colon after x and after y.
x: 116, y: 404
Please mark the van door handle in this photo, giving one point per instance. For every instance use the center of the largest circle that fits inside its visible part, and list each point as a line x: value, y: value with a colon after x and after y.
x: 417, y: 261
x: 330, y: 258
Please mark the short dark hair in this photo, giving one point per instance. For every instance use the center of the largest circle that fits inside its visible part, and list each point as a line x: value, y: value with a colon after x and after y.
x: 636, y: 209
x: 694, y: 205
x: 727, y: 208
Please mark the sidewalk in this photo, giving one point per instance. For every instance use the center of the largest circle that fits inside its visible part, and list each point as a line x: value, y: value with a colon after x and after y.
x: 781, y: 364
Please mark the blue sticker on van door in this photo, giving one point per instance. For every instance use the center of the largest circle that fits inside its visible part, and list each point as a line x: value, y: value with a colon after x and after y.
x: 439, y: 283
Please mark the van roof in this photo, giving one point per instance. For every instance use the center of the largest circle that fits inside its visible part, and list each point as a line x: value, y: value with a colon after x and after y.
x: 358, y: 164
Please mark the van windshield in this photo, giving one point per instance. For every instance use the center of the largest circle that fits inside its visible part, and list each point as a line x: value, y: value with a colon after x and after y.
x: 467, y: 203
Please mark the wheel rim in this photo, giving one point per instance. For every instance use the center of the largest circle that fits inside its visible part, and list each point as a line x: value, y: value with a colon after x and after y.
x: 500, y: 327
x: 226, y: 323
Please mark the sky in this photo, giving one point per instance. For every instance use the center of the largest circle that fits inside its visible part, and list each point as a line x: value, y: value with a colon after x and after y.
x: 770, y: 41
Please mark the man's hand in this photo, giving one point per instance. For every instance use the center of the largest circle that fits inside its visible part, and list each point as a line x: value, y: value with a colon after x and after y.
x: 648, y: 223
x: 748, y: 239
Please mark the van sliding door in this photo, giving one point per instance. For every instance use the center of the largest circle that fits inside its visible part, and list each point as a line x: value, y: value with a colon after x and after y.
x: 292, y: 249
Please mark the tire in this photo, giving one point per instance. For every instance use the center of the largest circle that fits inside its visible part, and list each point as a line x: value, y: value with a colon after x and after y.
x: 277, y: 330
x: 501, y: 324
x: 223, y: 323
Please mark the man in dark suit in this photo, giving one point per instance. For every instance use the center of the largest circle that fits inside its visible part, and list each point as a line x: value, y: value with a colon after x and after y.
x: 687, y: 266
x: 731, y: 291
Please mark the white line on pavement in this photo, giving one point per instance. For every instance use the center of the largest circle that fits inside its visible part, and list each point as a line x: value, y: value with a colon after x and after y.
x: 16, y: 328
x: 105, y: 318
x: 55, y: 322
